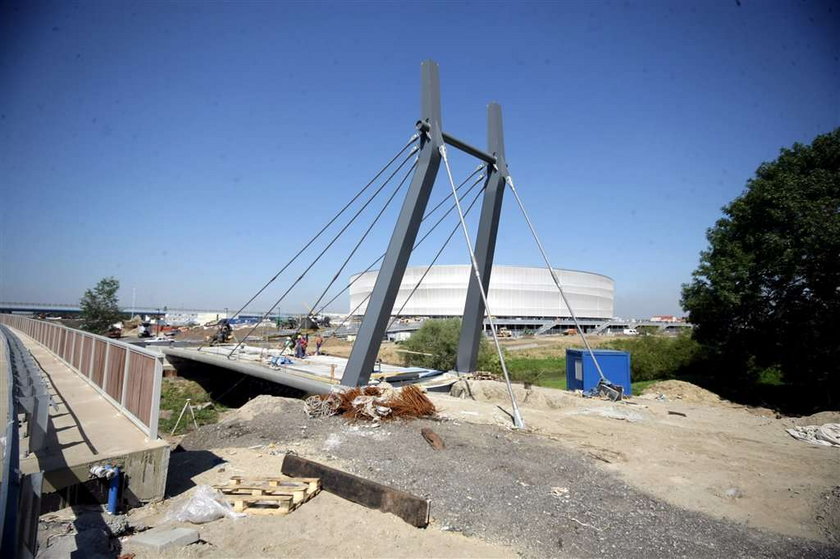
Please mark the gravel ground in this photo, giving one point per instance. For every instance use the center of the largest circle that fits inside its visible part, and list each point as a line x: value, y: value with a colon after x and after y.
x: 507, y: 487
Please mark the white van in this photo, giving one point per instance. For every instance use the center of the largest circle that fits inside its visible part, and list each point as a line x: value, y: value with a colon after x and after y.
x: 630, y: 332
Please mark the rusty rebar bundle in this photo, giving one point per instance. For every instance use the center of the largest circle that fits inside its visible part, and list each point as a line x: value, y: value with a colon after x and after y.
x: 372, y: 403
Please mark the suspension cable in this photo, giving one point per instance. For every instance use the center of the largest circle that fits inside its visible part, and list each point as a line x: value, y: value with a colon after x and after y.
x: 434, y: 260
x: 509, y: 181
x: 367, y: 297
x: 361, y: 240
x: 411, y: 140
x: 517, y: 417
x: 449, y: 194
x: 329, y: 245
x: 417, y: 244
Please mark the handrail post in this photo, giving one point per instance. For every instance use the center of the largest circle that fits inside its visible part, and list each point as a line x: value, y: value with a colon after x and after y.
x: 125, y: 377
x: 154, y: 415
x: 106, y: 369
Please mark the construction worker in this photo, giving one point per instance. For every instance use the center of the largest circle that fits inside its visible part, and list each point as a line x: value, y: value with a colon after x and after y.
x: 319, y: 341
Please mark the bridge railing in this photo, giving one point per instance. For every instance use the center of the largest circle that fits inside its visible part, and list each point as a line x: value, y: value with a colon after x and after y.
x: 128, y: 377
x: 20, y: 495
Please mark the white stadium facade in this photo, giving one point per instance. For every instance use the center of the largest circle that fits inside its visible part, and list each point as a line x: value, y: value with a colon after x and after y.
x: 520, y: 296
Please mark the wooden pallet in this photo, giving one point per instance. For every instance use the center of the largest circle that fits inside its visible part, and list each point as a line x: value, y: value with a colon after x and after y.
x: 269, y: 495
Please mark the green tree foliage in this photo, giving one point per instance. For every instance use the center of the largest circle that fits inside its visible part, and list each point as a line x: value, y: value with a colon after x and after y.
x: 659, y: 357
x: 767, y: 291
x: 99, y: 306
x: 435, y: 346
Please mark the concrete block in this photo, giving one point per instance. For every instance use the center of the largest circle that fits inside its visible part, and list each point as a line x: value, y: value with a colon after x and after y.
x: 159, y: 540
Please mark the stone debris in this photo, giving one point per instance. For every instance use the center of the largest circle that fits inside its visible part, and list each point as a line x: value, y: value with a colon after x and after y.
x: 159, y: 540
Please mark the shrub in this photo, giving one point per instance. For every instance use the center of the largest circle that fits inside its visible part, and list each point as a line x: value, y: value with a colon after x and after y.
x: 435, y: 346
x: 536, y: 370
x: 655, y: 357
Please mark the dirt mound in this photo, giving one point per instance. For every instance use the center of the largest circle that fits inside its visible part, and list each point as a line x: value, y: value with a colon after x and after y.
x: 263, y: 404
x: 681, y: 390
x: 817, y: 418
x: 496, y: 392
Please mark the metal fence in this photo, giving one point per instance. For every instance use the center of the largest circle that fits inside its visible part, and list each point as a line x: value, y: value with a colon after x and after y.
x: 20, y: 495
x: 128, y: 377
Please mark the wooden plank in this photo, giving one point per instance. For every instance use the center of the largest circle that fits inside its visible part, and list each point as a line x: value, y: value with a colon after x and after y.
x: 298, y: 495
x: 410, y: 508
x: 274, y: 481
x: 259, y: 498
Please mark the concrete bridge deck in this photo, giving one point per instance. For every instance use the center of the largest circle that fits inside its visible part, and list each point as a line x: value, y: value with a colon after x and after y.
x: 317, y: 374
x: 85, y: 430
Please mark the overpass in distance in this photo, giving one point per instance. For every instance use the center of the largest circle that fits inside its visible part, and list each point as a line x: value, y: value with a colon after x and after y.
x: 10, y: 307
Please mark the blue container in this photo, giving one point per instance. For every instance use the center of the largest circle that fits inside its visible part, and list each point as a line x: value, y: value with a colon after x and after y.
x: 581, y: 373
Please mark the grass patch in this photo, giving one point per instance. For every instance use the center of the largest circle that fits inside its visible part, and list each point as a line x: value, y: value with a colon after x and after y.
x: 639, y: 387
x: 554, y: 382
x: 542, y: 371
x: 550, y: 372
x: 174, y: 393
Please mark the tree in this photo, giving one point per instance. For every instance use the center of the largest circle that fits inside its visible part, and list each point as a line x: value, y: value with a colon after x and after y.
x: 99, y: 306
x: 766, y: 294
x: 435, y: 346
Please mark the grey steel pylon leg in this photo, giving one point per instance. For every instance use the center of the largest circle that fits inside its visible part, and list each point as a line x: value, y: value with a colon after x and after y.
x: 366, y: 347
x: 472, y: 327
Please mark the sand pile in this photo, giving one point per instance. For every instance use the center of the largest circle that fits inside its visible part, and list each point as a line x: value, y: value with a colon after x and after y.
x: 681, y: 390
x: 819, y: 418
x: 263, y: 404
x: 496, y: 392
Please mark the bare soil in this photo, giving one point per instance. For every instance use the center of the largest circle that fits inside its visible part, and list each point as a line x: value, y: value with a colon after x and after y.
x: 587, y: 478
x: 676, y: 472
x: 711, y: 456
x: 539, y: 347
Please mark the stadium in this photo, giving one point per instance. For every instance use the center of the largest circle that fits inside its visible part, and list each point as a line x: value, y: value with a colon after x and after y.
x: 522, y: 297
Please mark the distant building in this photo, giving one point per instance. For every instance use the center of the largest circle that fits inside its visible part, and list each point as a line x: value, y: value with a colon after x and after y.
x: 666, y: 318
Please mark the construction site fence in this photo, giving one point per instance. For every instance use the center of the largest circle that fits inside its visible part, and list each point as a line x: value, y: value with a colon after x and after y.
x: 127, y: 376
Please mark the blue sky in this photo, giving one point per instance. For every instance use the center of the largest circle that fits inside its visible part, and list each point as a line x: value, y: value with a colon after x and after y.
x: 189, y: 149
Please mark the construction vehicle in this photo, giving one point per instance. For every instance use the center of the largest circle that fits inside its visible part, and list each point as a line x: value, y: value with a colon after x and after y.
x: 144, y: 330
x: 223, y: 334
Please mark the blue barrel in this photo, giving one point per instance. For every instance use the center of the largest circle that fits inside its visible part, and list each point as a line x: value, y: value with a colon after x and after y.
x: 581, y: 373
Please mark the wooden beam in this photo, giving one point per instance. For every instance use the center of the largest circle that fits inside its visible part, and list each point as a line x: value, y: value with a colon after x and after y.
x: 410, y: 508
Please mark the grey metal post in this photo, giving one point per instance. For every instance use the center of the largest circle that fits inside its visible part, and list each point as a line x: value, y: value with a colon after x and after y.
x: 40, y: 416
x: 154, y: 415
x: 72, y: 348
x: 106, y: 369
x: 363, y: 356
x: 91, y: 356
x: 472, y: 327
x: 31, y: 486
x: 126, y: 370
